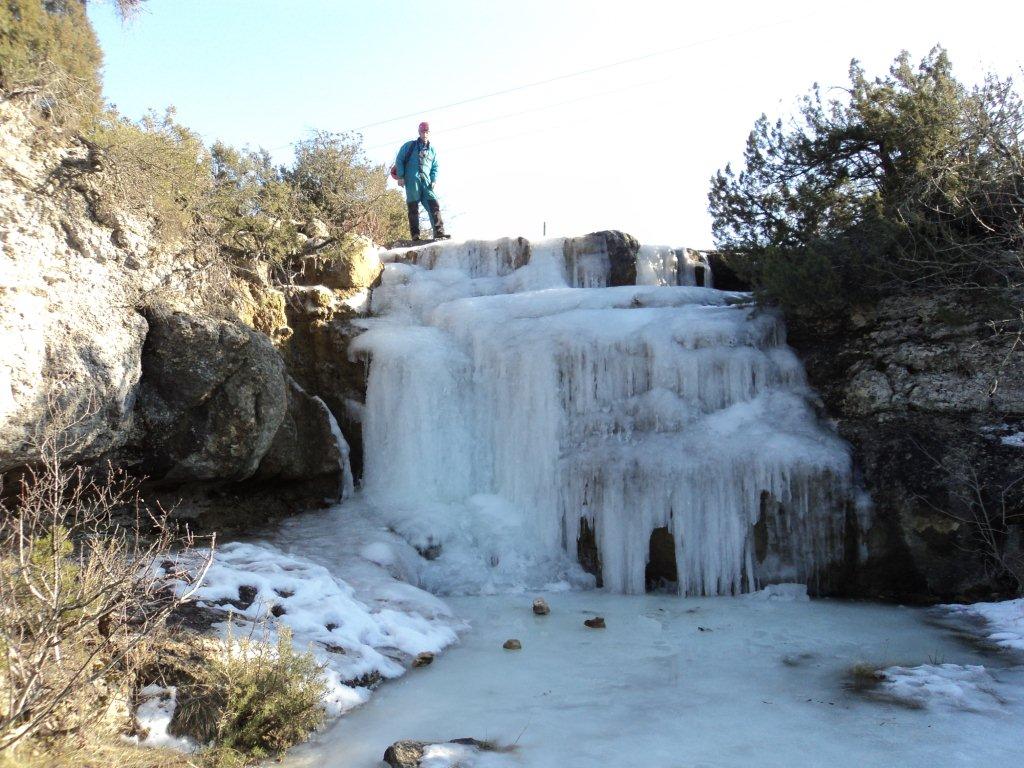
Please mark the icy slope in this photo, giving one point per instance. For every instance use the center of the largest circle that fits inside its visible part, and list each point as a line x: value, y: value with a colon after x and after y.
x: 507, y: 376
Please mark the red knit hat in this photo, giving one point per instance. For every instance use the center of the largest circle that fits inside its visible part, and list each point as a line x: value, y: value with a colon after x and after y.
x: 424, y: 126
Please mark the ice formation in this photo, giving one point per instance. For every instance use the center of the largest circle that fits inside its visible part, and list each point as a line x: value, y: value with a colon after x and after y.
x: 523, y: 411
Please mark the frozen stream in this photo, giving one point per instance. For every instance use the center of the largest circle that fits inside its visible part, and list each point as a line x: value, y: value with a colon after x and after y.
x: 544, y: 417
x: 762, y: 686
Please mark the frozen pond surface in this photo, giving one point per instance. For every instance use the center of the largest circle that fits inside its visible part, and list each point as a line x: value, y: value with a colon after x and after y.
x: 762, y: 684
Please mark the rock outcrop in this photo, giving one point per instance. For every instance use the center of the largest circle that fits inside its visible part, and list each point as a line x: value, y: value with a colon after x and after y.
x: 70, y: 339
x: 931, y: 397
x: 149, y: 353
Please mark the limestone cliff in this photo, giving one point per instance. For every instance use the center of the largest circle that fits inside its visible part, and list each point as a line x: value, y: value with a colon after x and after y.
x: 169, y: 360
x: 931, y: 396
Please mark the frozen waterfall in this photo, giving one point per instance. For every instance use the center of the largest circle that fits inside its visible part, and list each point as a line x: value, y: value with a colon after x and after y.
x: 527, y: 411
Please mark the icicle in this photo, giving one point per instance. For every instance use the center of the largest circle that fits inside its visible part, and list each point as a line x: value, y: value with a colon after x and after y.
x: 510, y: 395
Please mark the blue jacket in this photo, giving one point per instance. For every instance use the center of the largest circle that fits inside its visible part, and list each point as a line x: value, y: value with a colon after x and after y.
x: 419, y: 170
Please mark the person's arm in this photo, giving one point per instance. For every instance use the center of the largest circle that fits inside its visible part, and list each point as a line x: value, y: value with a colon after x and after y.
x: 399, y: 163
x: 433, y: 169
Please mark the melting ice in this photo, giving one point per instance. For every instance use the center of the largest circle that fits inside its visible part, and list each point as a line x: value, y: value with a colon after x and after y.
x: 524, y: 417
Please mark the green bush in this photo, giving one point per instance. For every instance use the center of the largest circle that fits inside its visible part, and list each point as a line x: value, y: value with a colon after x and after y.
x: 48, y: 50
x: 336, y: 184
x: 310, y: 208
x: 153, y: 168
x: 908, y: 182
x: 253, y: 700
x: 254, y: 210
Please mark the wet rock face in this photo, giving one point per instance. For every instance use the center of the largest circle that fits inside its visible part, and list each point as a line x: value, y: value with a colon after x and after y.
x: 316, y: 354
x: 304, y: 446
x: 930, y: 398
x: 611, y: 253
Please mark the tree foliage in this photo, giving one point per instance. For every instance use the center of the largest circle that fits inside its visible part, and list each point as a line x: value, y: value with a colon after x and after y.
x: 238, y: 202
x: 49, y: 53
x: 308, y: 208
x: 910, y: 181
x: 154, y: 168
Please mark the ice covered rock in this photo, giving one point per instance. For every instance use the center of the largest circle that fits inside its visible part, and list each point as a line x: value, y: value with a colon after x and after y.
x: 457, y: 753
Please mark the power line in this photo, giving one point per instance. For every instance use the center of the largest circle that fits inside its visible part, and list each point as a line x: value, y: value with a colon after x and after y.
x: 600, y: 68
x: 536, y: 109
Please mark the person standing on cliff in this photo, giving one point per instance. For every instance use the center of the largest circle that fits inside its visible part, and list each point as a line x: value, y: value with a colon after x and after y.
x: 416, y: 166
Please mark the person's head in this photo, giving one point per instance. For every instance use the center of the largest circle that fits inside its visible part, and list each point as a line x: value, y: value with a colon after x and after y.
x: 424, y: 130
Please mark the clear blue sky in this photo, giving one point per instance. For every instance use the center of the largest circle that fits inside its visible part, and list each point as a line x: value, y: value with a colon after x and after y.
x: 628, y: 147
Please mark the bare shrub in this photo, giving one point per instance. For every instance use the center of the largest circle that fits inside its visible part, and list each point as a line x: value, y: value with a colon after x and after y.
x: 988, y: 510
x: 82, y: 600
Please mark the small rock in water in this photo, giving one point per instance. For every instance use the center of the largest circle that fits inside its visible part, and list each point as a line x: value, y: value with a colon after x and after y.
x: 404, y: 754
x: 540, y: 607
x: 595, y: 623
x: 423, y: 659
x: 512, y: 645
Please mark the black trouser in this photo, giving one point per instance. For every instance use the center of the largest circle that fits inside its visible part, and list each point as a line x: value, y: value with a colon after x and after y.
x: 433, y: 212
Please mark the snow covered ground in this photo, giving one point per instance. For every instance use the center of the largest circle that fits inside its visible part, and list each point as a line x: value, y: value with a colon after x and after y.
x: 362, y: 619
x: 681, y: 683
x: 1001, y: 624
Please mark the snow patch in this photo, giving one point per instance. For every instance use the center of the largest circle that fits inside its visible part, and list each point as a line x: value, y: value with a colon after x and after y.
x: 788, y: 592
x: 450, y: 755
x: 1001, y: 623
x: 950, y: 686
x: 1016, y: 439
x: 358, y: 641
x: 153, y: 715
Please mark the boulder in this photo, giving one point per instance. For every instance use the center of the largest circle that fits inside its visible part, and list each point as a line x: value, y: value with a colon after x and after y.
x: 405, y: 754
x: 409, y: 754
x: 213, y: 396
